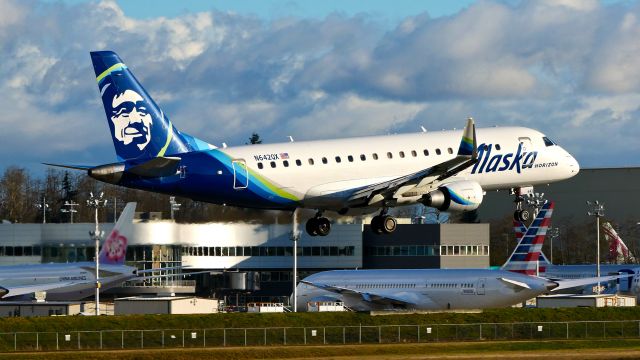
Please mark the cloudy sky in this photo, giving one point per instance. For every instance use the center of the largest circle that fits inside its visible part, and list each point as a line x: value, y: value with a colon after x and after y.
x: 225, y: 69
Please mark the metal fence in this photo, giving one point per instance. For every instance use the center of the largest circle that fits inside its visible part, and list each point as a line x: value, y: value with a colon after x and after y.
x: 333, y: 335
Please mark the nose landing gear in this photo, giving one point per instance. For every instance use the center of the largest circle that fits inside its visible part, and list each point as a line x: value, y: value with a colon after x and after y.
x: 521, y: 214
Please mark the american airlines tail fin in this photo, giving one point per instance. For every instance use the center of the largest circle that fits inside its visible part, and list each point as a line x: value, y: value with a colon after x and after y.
x: 524, y: 258
x: 520, y: 229
x: 139, y: 127
x: 114, y: 249
x: 618, y: 250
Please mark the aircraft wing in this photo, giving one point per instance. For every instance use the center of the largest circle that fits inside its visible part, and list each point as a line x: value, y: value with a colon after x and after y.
x: 411, y: 183
x: 9, y: 291
x: 364, y: 295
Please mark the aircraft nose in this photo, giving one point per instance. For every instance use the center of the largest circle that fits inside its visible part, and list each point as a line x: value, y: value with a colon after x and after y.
x: 574, y: 167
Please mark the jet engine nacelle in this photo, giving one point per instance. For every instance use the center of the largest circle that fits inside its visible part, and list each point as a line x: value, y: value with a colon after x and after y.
x: 456, y: 196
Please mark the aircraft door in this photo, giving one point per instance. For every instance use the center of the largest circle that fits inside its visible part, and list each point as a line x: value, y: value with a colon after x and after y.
x: 482, y: 283
x: 526, y: 143
x: 240, y: 174
x: 625, y: 282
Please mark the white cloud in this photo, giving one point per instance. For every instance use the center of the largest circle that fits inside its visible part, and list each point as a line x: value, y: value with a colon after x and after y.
x: 568, y: 68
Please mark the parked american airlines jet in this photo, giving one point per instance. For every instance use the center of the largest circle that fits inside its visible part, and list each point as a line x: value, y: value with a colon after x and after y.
x: 630, y: 283
x: 435, y: 289
x: 74, y: 281
x: 448, y: 170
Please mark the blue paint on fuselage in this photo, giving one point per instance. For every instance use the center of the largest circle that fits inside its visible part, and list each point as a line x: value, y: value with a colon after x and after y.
x: 209, y: 178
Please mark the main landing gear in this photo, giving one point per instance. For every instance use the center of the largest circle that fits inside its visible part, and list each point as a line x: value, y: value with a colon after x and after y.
x: 318, y: 225
x: 383, y: 223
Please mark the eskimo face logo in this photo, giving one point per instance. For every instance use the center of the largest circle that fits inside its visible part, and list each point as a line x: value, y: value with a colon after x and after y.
x: 131, y: 119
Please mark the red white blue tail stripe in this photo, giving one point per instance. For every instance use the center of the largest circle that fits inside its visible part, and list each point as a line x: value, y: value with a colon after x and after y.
x: 524, y: 258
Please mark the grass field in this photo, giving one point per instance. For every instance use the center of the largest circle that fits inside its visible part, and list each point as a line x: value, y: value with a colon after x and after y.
x: 464, y: 350
x: 242, y: 320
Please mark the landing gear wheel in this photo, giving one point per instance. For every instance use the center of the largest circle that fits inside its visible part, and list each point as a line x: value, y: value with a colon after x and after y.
x: 389, y: 224
x: 376, y: 224
x: 521, y: 215
x: 318, y: 226
x: 383, y: 224
x: 312, y: 226
x: 323, y: 226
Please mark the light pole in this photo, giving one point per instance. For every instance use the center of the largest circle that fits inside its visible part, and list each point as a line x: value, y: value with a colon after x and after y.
x: 553, y: 233
x: 597, y: 210
x: 45, y: 207
x: 96, y: 203
x: 536, y: 201
x: 174, y: 205
x: 70, y: 209
x: 295, y: 236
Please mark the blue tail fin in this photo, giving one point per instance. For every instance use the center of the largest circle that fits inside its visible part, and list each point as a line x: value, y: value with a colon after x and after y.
x: 139, y: 128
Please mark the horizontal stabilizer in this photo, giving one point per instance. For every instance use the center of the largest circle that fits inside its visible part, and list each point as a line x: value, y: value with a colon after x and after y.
x: 156, y: 167
x: 571, y: 283
x: 67, y: 166
x: 516, y: 283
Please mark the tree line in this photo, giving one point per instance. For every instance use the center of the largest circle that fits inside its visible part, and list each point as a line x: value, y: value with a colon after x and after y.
x: 22, y: 196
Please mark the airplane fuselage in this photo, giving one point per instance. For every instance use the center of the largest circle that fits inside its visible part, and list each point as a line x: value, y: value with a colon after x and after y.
x: 318, y: 174
x: 424, y: 289
x: 77, y: 280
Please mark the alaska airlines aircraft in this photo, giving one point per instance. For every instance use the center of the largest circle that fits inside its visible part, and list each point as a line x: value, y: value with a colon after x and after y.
x: 435, y: 289
x: 629, y: 283
x: 74, y: 281
x: 447, y: 170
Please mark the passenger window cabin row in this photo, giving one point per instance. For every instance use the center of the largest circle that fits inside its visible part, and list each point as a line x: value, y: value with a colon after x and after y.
x: 350, y: 158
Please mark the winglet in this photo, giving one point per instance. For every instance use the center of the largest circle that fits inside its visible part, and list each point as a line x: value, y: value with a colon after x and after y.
x: 468, y: 144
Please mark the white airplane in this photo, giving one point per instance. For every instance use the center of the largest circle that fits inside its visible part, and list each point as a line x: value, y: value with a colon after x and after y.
x: 618, y: 251
x: 74, y: 281
x: 436, y: 289
x: 448, y: 170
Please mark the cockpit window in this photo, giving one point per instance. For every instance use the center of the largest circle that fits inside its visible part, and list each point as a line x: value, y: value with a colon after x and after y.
x: 548, y: 141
